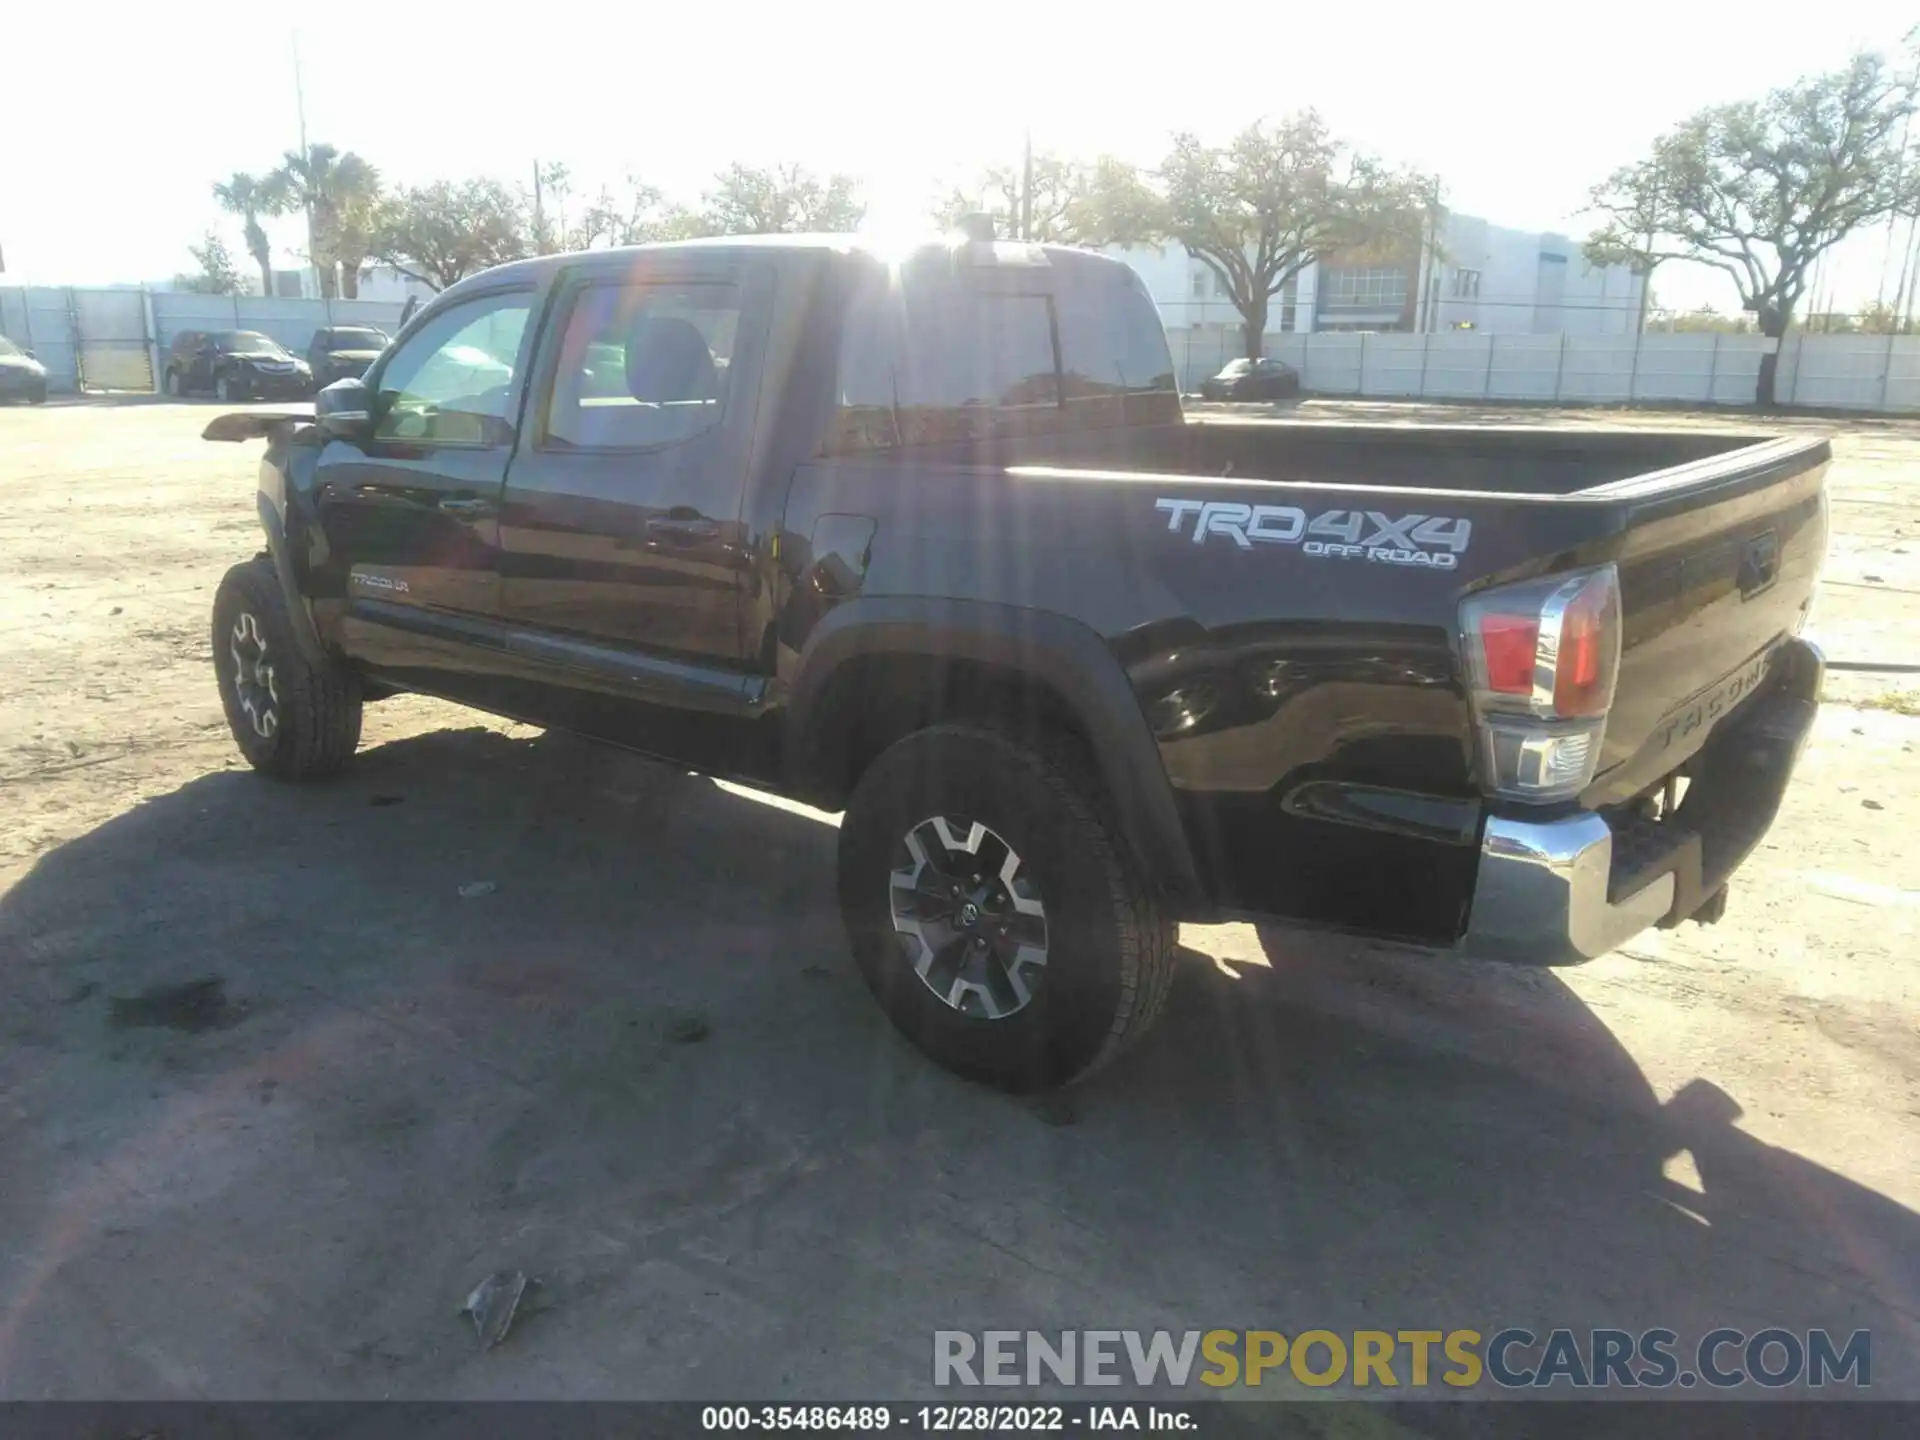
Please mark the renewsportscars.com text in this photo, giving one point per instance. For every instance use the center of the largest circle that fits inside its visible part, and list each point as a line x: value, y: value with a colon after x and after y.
x: 1512, y: 1358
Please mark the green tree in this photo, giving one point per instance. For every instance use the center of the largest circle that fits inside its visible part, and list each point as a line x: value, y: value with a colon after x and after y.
x: 218, y: 274
x: 1259, y: 210
x: 250, y: 197
x: 1761, y: 189
x: 443, y: 232
x: 340, y: 193
x: 784, y: 199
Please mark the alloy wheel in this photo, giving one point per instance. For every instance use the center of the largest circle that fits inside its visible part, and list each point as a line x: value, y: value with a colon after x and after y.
x: 970, y: 919
x: 254, y: 683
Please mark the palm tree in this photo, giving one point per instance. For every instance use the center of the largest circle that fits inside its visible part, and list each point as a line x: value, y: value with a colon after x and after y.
x: 339, y: 193
x: 250, y: 197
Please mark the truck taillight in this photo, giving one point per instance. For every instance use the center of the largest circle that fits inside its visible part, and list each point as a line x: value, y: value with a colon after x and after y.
x: 1542, y: 658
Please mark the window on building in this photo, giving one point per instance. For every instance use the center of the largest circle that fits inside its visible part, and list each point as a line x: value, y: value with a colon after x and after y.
x: 1466, y: 284
x: 1367, y: 288
x: 1200, y: 285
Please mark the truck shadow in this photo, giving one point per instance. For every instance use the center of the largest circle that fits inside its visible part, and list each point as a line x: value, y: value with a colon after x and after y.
x: 633, y: 1059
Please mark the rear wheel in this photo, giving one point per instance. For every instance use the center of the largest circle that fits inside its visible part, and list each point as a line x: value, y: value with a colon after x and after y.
x: 994, y: 912
x: 290, y: 717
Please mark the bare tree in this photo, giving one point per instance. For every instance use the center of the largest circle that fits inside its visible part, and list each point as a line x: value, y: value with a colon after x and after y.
x: 785, y: 199
x: 1761, y: 189
x: 640, y: 215
x: 1069, y: 202
x: 1262, y: 209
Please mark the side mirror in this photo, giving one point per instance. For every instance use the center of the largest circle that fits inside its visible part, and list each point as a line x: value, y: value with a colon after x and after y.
x: 344, y: 410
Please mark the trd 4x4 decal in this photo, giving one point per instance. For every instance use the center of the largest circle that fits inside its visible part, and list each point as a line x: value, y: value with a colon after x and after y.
x: 1435, y: 541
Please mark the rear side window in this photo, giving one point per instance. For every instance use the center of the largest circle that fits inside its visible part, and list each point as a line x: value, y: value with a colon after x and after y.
x: 930, y: 354
x: 642, y: 365
x: 1114, y: 351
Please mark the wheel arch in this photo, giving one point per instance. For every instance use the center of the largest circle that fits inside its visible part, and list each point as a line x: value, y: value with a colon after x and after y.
x: 876, y: 669
x: 298, y: 616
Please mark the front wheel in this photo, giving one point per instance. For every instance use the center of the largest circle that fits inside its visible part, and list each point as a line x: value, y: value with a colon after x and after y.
x: 227, y: 390
x: 290, y: 717
x: 995, y: 913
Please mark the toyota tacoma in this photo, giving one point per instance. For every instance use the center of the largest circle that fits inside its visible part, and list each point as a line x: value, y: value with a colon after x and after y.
x: 925, y: 538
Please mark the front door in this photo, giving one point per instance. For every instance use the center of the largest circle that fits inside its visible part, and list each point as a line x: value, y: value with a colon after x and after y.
x: 623, y: 554
x: 412, y: 515
x: 622, y: 520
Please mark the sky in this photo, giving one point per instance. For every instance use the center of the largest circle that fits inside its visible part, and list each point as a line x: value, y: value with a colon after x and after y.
x: 119, y: 117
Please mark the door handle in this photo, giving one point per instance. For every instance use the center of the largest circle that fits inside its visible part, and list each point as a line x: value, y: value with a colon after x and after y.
x: 455, y: 505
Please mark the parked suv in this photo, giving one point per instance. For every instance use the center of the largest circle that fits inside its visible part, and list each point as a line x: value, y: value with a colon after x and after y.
x: 234, y: 365
x: 337, y: 351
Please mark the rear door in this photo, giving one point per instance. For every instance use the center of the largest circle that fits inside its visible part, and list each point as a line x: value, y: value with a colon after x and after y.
x: 622, y: 549
x: 412, y: 515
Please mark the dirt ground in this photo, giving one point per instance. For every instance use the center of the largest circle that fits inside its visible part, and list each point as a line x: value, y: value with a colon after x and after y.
x: 274, y: 1095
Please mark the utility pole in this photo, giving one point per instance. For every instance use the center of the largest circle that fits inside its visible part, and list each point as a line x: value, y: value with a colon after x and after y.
x: 1026, y: 191
x: 539, y: 213
x: 306, y: 158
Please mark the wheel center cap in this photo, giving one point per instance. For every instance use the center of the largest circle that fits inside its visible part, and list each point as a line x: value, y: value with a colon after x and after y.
x: 970, y: 914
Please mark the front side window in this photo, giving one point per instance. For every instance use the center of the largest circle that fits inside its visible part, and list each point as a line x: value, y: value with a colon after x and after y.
x: 642, y: 365
x: 7, y: 347
x: 452, y: 381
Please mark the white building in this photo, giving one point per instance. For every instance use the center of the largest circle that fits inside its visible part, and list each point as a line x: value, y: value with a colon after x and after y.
x: 1483, y: 277
x: 377, y: 282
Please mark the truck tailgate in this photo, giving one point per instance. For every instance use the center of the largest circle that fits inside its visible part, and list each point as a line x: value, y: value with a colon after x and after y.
x: 1715, y: 570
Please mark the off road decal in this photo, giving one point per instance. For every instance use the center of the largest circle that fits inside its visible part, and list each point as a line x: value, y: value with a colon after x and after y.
x: 1434, y: 541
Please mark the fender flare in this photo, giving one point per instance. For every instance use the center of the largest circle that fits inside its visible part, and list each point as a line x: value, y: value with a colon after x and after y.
x: 1051, y: 650
x: 304, y: 633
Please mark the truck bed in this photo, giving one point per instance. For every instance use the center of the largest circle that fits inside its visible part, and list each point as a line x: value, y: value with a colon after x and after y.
x: 1517, y: 460
x: 1718, y: 539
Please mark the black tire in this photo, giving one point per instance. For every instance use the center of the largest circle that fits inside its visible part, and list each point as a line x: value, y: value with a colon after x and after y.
x: 1109, y: 943
x: 229, y: 391
x: 170, y: 384
x: 315, y: 709
x: 38, y: 397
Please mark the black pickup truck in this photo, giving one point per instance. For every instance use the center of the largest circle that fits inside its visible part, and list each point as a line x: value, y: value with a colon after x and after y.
x: 926, y: 538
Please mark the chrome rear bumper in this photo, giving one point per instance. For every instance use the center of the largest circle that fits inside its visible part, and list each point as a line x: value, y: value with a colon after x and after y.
x: 1547, y: 892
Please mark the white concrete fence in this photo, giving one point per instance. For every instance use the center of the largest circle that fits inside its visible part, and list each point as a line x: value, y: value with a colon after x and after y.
x: 1848, y: 372
x: 116, y: 339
